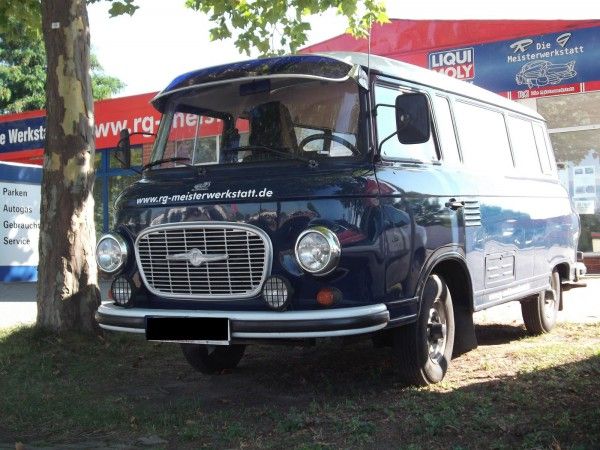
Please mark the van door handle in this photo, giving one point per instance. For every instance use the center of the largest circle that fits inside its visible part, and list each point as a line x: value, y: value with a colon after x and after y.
x: 454, y: 204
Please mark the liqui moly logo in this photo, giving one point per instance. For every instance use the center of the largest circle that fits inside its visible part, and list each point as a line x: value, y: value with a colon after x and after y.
x: 458, y: 63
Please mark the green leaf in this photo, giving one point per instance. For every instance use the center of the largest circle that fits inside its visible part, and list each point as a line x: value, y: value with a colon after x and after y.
x: 260, y: 24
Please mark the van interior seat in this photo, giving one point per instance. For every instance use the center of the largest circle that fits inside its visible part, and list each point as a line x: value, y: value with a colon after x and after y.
x: 271, y: 126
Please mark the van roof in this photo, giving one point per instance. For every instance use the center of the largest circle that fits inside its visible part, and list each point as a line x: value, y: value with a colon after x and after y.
x: 419, y: 75
x: 335, y: 65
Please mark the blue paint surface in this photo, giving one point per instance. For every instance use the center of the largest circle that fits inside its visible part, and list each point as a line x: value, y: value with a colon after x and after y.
x: 20, y: 173
x: 22, y: 134
x: 18, y: 273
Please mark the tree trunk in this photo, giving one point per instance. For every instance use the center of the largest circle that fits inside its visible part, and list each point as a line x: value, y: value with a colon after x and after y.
x: 68, y: 293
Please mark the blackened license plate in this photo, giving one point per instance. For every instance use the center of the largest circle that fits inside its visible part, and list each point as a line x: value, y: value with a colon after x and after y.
x: 201, y: 330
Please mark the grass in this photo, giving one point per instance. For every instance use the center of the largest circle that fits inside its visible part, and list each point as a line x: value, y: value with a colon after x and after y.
x: 514, y: 391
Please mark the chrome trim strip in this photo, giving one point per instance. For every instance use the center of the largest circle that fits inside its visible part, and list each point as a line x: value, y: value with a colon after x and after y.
x: 310, y: 334
x: 199, y: 225
x: 514, y: 283
x: 109, y: 309
x: 127, y: 330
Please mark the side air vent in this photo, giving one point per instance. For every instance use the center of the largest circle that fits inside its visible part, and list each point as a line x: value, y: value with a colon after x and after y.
x: 472, y: 213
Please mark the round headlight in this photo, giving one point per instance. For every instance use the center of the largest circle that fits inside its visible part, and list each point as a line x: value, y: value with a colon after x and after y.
x: 318, y: 250
x: 111, y: 253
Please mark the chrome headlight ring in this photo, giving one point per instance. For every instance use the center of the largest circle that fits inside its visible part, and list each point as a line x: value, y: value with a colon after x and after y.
x: 318, y: 250
x: 111, y: 253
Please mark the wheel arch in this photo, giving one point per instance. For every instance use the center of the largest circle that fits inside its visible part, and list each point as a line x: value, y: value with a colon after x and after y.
x: 451, y: 265
x: 564, y: 270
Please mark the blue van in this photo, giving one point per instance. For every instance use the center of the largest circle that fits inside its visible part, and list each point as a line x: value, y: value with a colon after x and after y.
x: 330, y: 195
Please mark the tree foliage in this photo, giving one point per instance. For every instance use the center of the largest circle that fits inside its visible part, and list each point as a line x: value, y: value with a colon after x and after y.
x: 280, y: 26
x: 23, y: 73
x: 273, y: 26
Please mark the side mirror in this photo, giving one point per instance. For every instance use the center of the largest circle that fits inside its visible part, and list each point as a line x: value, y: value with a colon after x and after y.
x: 123, y: 151
x: 413, y: 123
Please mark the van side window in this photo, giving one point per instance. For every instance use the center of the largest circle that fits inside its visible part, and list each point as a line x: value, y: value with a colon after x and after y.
x: 386, y: 125
x: 542, y: 148
x: 524, y: 146
x: 483, y: 137
x: 446, y: 130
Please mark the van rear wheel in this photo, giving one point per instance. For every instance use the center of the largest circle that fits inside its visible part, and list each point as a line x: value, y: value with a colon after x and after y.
x: 210, y: 359
x: 540, y: 313
x: 423, y: 349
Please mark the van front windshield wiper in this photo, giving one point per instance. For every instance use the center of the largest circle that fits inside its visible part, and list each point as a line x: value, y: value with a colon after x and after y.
x: 274, y: 151
x: 158, y: 162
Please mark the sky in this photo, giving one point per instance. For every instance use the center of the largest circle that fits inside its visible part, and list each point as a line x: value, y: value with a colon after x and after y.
x: 164, y: 39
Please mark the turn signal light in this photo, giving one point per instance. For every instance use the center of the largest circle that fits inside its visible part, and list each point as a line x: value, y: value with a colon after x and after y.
x: 328, y: 296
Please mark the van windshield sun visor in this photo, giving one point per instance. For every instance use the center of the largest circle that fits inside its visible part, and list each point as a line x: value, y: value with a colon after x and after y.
x: 296, y: 66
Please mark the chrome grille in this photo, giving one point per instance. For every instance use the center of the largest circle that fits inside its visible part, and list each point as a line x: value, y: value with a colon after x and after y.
x: 167, y: 259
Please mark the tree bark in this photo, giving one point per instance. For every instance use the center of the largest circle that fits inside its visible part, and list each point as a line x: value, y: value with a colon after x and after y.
x: 68, y: 293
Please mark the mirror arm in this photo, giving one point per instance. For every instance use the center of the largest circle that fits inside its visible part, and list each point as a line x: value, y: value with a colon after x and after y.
x: 385, y: 140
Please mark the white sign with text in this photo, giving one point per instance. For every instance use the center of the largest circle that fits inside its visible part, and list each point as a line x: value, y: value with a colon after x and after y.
x: 19, y: 223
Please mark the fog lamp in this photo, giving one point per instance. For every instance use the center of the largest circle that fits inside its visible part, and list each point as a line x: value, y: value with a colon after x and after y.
x: 121, y: 290
x: 277, y: 291
x: 111, y: 253
x: 318, y: 250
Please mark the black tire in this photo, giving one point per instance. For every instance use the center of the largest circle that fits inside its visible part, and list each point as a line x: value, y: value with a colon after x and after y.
x: 423, y: 350
x: 210, y: 359
x: 540, y: 313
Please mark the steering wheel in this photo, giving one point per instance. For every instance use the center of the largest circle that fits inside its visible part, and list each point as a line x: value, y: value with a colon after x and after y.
x: 324, y: 137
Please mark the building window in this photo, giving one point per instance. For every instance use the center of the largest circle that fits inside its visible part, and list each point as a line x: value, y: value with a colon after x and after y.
x: 98, y: 206
x: 580, y: 174
x: 574, y: 127
x: 116, y: 184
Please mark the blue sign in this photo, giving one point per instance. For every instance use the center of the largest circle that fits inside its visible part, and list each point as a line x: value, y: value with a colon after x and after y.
x: 22, y: 134
x: 534, y: 63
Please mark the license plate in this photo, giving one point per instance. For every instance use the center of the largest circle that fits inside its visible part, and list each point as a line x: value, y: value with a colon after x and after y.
x: 197, y: 330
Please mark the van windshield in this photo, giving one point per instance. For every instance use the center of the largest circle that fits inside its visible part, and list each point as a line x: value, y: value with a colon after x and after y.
x: 262, y: 120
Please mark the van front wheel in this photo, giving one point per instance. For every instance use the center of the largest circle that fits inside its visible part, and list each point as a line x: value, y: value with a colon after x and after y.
x: 423, y: 349
x: 213, y: 358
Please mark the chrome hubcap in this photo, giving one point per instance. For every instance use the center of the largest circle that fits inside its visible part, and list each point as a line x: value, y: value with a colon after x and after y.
x: 436, y: 331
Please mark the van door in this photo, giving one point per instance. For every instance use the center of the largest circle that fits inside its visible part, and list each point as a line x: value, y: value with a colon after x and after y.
x: 415, y: 188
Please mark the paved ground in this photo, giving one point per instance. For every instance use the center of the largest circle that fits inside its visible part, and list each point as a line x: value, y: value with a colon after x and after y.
x: 17, y: 302
x: 581, y: 304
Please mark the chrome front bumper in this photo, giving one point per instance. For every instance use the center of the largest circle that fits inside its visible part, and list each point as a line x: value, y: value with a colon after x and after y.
x: 258, y: 324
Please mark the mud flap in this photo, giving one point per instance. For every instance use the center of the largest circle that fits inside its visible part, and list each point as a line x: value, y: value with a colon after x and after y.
x: 464, y: 338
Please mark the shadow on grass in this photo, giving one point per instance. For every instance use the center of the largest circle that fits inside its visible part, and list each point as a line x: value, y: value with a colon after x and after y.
x: 496, y: 334
x: 75, y: 388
